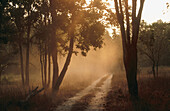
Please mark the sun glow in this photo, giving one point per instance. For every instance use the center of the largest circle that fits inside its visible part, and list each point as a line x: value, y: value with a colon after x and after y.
x: 110, y: 2
x: 153, y: 9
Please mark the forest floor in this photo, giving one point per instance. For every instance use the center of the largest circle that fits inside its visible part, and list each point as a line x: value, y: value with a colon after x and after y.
x: 154, y: 94
x: 12, y: 94
x: 108, y: 93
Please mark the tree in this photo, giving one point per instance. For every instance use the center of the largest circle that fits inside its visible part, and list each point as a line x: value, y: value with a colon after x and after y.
x: 31, y: 18
x: 62, y: 25
x: 43, y: 28
x: 7, y: 29
x: 153, y: 42
x: 23, y: 14
x: 7, y: 52
x: 82, y: 29
x: 17, y: 16
x: 129, y: 33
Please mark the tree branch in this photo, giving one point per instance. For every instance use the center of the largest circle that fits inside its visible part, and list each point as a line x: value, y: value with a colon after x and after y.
x: 121, y: 11
x: 147, y: 54
x: 117, y: 10
x: 134, y: 9
x: 134, y: 19
x: 33, y: 93
x: 127, y: 20
x: 121, y: 22
x: 65, y: 67
x: 140, y: 10
x: 137, y: 23
x: 68, y: 59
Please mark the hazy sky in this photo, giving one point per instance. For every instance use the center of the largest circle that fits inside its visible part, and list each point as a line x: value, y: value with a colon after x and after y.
x: 153, y: 10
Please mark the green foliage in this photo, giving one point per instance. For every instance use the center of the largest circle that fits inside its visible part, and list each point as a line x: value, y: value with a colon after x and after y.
x: 90, y: 35
x: 88, y: 28
x: 154, y: 40
x: 7, y: 31
x: 6, y: 26
x: 74, y: 17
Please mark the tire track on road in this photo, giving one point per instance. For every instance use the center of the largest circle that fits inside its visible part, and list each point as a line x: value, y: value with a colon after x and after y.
x: 98, y: 102
x: 68, y: 105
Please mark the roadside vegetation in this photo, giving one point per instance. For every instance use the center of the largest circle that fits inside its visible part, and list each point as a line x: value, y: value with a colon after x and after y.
x: 12, y: 94
x: 49, y: 51
x: 154, y: 93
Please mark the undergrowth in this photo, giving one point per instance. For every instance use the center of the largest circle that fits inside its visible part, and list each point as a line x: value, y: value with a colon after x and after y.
x: 154, y: 94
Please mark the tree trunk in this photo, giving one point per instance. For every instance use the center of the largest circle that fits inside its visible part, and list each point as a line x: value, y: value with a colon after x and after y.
x: 45, y: 66
x: 67, y: 62
x: 157, y: 66
x: 27, y: 56
x: 22, y: 64
x: 41, y: 63
x: 130, y: 61
x: 53, y: 42
x: 49, y: 68
x: 129, y: 41
x: 0, y: 74
x: 55, y: 68
x: 153, y: 69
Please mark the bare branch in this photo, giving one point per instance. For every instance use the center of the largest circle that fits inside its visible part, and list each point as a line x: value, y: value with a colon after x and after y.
x: 147, y: 54
x: 140, y: 10
x: 121, y: 11
x: 137, y: 23
x: 120, y: 18
x: 134, y: 19
x: 127, y: 20
x: 134, y: 9
x: 117, y: 10
x: 33, y: 93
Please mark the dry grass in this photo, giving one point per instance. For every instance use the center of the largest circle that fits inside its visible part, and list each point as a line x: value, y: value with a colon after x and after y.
x: 11, y: 95
x: 154, y: 94
x: 12, y: 99
x: 118, y: 98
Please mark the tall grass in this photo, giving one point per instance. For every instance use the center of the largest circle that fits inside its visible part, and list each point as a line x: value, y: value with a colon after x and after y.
x: 12, y: 93
x: 154, y: 94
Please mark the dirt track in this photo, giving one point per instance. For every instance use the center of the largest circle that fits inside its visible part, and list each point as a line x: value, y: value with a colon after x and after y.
x: 90, y: 99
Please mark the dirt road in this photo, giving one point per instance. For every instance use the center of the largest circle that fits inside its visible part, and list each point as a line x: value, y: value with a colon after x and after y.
x: 90, y: 99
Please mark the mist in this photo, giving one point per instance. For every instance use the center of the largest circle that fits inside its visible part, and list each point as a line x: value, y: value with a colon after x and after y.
x: 97, y: 63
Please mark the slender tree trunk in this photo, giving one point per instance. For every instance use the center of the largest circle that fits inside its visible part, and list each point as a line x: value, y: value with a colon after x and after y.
x: 55, y: 68
x: 63, y: 72
x: 130, y: 61
x: 27, y: 56
x: 153, y: 69
x: 45, y: 66
x: 1, y: 70
x: 157, y: 69
x: 41, y: 63
x: 0, y: 74
x: 53, y: 42
x: 49, y: 68
x: 21, y: 63
x: 57, y: 79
